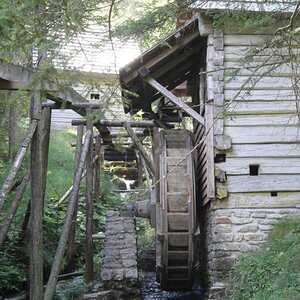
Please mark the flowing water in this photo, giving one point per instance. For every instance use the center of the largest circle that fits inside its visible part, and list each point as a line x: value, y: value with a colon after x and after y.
x: 150, y: 290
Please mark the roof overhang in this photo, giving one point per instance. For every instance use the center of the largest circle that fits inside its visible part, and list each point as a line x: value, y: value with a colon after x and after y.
x: 171, y: 62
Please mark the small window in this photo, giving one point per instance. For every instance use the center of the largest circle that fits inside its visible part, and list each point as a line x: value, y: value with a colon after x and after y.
x: 95, y: 96
x: 274, y: 194
x: 254, y: 170
x: 220, y: 157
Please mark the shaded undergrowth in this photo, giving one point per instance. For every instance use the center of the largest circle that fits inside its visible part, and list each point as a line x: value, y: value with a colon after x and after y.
x: 274, y: 272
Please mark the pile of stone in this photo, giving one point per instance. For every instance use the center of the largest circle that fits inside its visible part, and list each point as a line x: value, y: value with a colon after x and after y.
x: 119, y: 269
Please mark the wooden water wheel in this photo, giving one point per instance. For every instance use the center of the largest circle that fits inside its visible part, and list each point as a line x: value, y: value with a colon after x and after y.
x: 176, y: 224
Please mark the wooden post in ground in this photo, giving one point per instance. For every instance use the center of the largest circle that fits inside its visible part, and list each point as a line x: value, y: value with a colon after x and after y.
x: 9, y: 182
x: 46, y: 127
x: 89, y: 205
x: 38, y: 162
x: 97, y: 168
x: 52, y: 281
x: 71, y: 243
x: 140, y: 171
x: 12, y: 211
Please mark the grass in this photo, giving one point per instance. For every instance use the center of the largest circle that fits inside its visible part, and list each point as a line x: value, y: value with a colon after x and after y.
x: 60, y: 164
x: 274, y: 272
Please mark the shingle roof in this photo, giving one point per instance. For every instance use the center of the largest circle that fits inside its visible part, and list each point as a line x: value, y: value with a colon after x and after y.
x: 92, y: 51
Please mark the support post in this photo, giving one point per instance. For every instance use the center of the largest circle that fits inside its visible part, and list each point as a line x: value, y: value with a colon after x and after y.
x: 71, y: 243
x: 52, y: 281
x: 39, y: 159
x: 89, y: 205
x: 17, y: 163
x: 97, y: 168
x: 14, y: 207
x: 140, y: 171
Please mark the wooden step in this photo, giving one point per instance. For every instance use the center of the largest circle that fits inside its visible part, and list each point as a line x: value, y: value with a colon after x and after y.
x: 178, y: 273
x: 178, y: 222
x: 176, y: 183
x: 178, y: 241
x: 176, y: 161
x: 179, y: 168
x: 178, y: 258
x: 178, y: 201
x: 173, y: 152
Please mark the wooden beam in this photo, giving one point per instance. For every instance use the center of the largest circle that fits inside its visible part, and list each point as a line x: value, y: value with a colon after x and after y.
x: 123, y: 134
x: 180, y: 39
x: 111, y: 123
x: 55, y: 105
x: 71, y: 242
x: 36, y: 204
x: 148, y: 160
x: 97, y: 170
x: 174, y: 63
x: 52, y: 91
x: 16, y: 73
x: 173, y: 98
x: 17, y: 163
x: 14, y: 206
x: 89, y: 205
x: 11, y: 85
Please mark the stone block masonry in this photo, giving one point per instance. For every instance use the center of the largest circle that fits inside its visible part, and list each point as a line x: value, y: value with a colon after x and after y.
x: 119, y: 269
x: 231, y: 232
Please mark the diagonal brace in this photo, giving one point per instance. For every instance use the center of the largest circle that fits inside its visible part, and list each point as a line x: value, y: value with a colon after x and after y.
x: 144, y: 72
x: 148, y: 160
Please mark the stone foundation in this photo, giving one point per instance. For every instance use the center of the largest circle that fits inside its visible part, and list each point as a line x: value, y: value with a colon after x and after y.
x: 230, y: 232
x: 119, y: 270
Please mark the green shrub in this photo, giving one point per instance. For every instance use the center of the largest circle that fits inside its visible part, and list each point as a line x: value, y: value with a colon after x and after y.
x: 146, y: 234
x: 14, y: 256
x: 274, y: 272
x: 13, y: 262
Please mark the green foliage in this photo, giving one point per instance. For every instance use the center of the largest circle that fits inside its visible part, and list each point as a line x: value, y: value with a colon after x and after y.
x: 146, y: 234
x: 157, y: 21
x: 41, y: 24
x: 241, y: 20
x: 60, y: 164
x: 273, y: 273
x: 13, y: 262
x: 70, y: 289
x: 14, y: 258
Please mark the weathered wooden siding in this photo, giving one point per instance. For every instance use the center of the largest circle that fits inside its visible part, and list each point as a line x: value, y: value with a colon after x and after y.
x: 108, y: 97
x: 262, y: 122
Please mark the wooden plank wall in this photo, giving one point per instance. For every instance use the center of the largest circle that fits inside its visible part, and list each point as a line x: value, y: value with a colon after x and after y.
x: 109, y: 98
x: 263, y: 124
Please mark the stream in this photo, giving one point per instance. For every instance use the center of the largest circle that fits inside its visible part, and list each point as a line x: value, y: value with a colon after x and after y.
x: 150, y: 290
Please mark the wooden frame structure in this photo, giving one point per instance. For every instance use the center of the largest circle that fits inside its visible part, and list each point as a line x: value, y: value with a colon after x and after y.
x: 13, y: 77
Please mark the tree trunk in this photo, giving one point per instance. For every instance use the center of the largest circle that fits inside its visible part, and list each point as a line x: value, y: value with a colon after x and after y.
x: 89, y: 207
